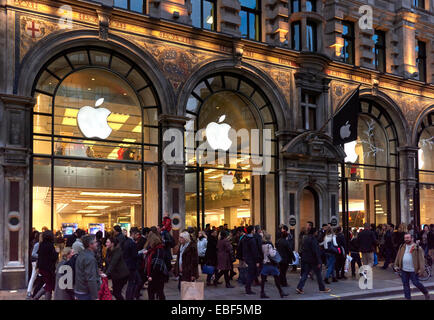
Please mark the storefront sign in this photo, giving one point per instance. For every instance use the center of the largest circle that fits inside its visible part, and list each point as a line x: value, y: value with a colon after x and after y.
x: 334, y: 221
x: 292, y: 221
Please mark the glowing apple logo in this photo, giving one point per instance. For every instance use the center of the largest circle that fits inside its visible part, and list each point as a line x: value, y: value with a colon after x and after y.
x: 350, y: 150
x: 93, y: 121
x: 345, y: 130
x: 217, y: 134
x: 227, y: 181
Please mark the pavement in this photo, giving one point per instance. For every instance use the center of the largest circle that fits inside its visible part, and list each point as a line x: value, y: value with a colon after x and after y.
x: 385, y: 284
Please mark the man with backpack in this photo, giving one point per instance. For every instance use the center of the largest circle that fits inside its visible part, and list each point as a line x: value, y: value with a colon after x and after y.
x: 411, y: 262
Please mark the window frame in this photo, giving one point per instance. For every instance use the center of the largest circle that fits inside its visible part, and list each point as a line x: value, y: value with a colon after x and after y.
x: 257, y: 13
x: 202, y: 16
x: 299, y: 36
x: 129, y: 7
x: 421, y: 60
x: 313, y: 4
x: 350, y: 38
x: 314, y: 25
x: 380, y: 46
x: 306, y: 107
x: 292, y: 6
x: 420, y: 4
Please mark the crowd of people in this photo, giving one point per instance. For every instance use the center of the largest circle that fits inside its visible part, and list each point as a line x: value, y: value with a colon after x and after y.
x: 145, y: 258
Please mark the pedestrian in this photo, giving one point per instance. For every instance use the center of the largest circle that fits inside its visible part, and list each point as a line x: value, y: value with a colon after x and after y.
x: 431, y: 241
x: 224, y: 258
x: 168, y: 241
x: 398, y: 236
x: 410, y: 262
x: 87, y: 278
x: 342, y: 255
x: 424, y: 239
x: 252, y: 257
x: 98, y: 252
x: 330, y: 247
x: 286, y: 250
x: 47, y: 258
x: 61, y: 293
x: 211, y: 254
x: 242, y: 265
x: 34, y: 259
x: 354, y: 247
x: 311, y: 261
x: 388, y: 247
x: 269, y: 266
x: 116, y: 268
x: 202, y: 243
x: 139, y: 241
x: 367, y: 243
x: 155, y: 267
x: 187, y: 260
x: 78, y: 244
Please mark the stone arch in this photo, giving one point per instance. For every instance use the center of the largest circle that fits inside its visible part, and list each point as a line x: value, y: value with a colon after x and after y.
x: 58, y: 42
x: 415, y: 131
x: 268, y: 86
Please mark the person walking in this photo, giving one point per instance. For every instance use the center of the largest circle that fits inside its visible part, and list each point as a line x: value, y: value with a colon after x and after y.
x: 187, y: 260
x: 411, y: 262
x: 87, y: 278
x: 342, y: 255
x: 388, y: 247
x: 224, y: 258
x: 398, y: 236
x: 78, y: 244
x: 252, y: 257
x: 311, y: 261
x: 286, y: 250
x: 242, y: 265
x: 34, y: 259
x: 47, y: 258
x: 367, y: 243
x: 424, y: 239
x: 155, y: 267
x: 354, y: 247
x: 431, y: 241
x: 202, y: 243
x: 116, y: 268
x: 211, y: 254
x: 61, y: 293
x: 330, y: 246
x: 269, y: 267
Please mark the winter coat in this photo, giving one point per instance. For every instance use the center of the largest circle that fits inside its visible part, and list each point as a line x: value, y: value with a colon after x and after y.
x: 311, y: 253
x: 431, y: 239
x: 224, y: 254
x: 211, y: 252
x: 190, y: 261
x: 354, y: 245
x: 87, y: 279
x: 201, y: 246
x: 285, y: 250
x: 417, y: 255
x: 251, y: 254
x: 47, y: 257
x: 130, y: 254
x: 367, y: 241
x: 115, y: 264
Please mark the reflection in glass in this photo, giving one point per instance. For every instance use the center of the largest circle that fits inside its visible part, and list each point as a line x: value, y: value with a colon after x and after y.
x: 426, y: 175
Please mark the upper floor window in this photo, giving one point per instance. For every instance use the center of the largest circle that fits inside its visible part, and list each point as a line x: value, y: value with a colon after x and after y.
x: 380, y: 50
x: 131, y: 5
x: 296, y: 36
x: 250, y: 19
x: 311, y: 37
x: 308, y: 111
x: 421, y: 60
x: 295, y: 6
x: 310, y: 5
x: 203, y: 14
x: 419, y: 4
x: 348, y: 48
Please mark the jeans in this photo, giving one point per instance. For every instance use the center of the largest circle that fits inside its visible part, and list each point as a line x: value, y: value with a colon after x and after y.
x: 252, y: 272
x: 406, y: 277
x: 307, y: 267
x: 331, y: 260
x: 356, y: 259
x: 282, y: 277
x: 388, y: 256
x: 32, y: 278
x: 133, y: 281
x: 85, y: 296
x: 242, y: 276
x: 368, y: 258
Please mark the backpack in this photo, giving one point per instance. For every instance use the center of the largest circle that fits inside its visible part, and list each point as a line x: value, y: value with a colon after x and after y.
x: 276, y: 258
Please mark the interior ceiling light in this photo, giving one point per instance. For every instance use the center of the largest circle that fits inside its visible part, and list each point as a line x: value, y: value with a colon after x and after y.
x: 86, y: 211
x: 71, y: 113
x: 110, y: 194
x: 97, y: 201
x: 93, y: 215
x: 138, y: 128
x: 69, y: 121
x: 97, y: 207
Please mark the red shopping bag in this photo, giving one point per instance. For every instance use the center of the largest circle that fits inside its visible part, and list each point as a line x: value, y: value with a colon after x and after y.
x: 104, y: 292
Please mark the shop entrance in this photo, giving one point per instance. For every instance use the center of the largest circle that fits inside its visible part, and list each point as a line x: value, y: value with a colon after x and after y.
x: 309, y: 207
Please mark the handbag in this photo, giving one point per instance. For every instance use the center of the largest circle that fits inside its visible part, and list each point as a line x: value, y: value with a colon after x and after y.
x: 192, y: 290
x: 277, y: 258
x: 331, y: 248
x: 208, y: 269
x: 296, y: 260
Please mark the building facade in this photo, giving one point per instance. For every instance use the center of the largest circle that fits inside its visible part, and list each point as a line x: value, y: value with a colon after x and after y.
x: 89, y: 89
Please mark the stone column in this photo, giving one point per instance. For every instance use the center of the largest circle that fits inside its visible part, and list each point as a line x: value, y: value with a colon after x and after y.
x: 406, y: 33
x: 407, y: 182
x: 15, y: 122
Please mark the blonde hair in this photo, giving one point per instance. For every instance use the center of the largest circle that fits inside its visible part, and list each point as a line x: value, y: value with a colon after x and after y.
x: 153, y: 240
x: 186, y: 236
x: 66, y: 252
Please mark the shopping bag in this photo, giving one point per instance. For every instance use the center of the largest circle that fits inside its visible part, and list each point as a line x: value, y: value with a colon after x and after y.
x: 296, y: 261
x: 347, y: 263
x: 104, y: 292
x: 375, y: 259
x: 192, y: 290
x: 208, y: 269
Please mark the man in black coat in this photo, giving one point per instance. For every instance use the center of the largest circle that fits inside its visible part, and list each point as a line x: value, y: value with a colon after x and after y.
x: 389, y: 250
x: 252, y: 256
x: 285, y: 248
x: 311, y: 260
x: 367, y: 243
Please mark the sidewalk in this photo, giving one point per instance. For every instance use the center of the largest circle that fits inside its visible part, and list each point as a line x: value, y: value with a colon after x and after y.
x: 385, y: 282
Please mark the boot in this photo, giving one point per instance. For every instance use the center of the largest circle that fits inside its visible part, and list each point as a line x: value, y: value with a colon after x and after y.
x: 326, y: 280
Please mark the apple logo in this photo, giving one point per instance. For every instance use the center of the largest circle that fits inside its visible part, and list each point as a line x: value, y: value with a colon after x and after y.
x: 217, y: 134
x: 93, y: 121
x: 228, y: 181
x: 345, y: 130
x: 350, y: 150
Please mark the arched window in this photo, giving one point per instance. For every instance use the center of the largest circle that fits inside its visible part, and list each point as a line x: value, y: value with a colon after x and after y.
x: 229, y: 191
x: 95, y: 143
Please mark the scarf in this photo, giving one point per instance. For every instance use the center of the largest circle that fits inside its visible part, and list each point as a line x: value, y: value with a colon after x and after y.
x: 181, y: 252
x: 149, y: 256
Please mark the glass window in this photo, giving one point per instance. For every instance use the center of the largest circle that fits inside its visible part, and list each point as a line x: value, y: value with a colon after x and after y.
x: 310, y: 5
x: 419, y: 4
x: 311, y: 37
x: 295, y: 6
x: 203, y: 14
x: 380, y: 50
x: 421, y: 60
x: 250, y: 19
x: 426, y: 175
x: 348, y: 48
x: 308, y: 111
x: 296, y: 36
x: 132, y: 5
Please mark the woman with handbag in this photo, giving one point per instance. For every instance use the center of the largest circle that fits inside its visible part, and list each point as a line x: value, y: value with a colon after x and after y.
x: 331, y: 250
x: 271, y: 261
x: 155, y: 267
x: 224, y: 259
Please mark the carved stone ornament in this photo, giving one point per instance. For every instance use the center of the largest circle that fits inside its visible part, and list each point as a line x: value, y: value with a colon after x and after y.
x: 104, y: 22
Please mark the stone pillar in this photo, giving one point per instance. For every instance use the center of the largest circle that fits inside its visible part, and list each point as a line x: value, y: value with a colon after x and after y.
x: 230, y: 19
x: 407, y: 182
x: 406, y: 33
x: 173, y: 179
x: 231, y: 216
x: 14, y: 190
